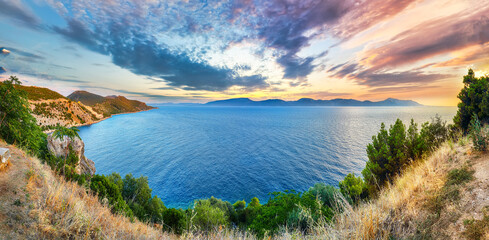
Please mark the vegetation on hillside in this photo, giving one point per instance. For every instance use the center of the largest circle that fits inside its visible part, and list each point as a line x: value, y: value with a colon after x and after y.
x: 108, y: 105
x: 40, y: 93
x: 17, y: 125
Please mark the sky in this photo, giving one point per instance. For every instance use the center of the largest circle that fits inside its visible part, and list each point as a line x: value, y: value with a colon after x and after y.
x: 199, y: 51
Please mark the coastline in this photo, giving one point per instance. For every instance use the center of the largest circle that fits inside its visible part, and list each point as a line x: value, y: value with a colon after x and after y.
x: 102, y: 119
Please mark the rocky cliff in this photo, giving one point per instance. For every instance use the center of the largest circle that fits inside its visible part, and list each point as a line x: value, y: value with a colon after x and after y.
x: 62, y: 147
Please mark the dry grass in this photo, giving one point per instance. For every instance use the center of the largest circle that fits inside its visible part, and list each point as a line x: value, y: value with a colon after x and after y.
x: 56, y: 209
x: 400, y: 210
x: 66, y: 210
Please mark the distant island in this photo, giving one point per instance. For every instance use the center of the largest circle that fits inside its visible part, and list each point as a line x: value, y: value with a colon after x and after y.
x: 312, y: 102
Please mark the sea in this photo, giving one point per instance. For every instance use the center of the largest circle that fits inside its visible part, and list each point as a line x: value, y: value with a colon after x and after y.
x: 237, y: 153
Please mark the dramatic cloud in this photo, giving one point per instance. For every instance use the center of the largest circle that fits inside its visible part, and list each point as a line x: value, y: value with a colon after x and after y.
x: 377, y: 78
x: 283, y: 26
x: 18, y: 12
x: 364, y: 14
x: 140, y: 54
x: 432, y: 38
x: 478, y: 55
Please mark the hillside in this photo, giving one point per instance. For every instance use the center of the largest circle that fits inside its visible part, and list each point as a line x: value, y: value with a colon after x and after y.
x: 444, y: 197
x: 86, y: 98
x: 312, y: 102
x: 108, y: 105
x: 79, y: 108
x: 35, y: 203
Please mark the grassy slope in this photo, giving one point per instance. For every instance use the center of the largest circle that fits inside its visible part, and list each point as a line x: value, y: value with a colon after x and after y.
x: 37, y: 204
x: 40, y: 93
x: 426, y: 202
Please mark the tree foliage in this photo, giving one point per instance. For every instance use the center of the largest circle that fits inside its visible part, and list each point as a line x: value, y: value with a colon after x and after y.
x: 61, y: 131
x: 474, y: 99
x: 391, y: 151
x: 17, y: 125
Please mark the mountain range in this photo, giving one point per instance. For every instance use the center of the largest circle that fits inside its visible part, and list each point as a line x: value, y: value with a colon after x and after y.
x: 313, y: 102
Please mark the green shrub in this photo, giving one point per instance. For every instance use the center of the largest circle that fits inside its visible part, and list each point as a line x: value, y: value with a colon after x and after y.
x: 353, y: 188
x: 478, y: 134
x: 174, y: 220
x: 208, y: 216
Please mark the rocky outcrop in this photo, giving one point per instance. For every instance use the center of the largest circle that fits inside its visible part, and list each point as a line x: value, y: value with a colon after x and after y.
x: 61, y: 148
x: 4, y: 158
x: 4, y: 155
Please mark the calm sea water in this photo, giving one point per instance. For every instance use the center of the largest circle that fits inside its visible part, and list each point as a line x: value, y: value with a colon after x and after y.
x: 238, y: 153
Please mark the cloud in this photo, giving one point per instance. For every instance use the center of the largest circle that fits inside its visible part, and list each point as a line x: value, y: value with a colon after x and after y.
x: 289, y: 26
x: 26, y: 54
x: 378, y: 78
x: 286, y: 26
x: 365, y: 14
x: 47, y: 76
x: 296, y: 67
x: 402, y: 89
x: 140, y: 54
x: 3, y: 70
x: 15, y: 10
x: 478, y: 55
x: 432, y: 38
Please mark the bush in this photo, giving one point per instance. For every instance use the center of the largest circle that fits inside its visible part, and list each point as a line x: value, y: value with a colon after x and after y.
x: 173, y: 220
x: 478, y: 135
x: 208, y: 216
x: 353, y: 188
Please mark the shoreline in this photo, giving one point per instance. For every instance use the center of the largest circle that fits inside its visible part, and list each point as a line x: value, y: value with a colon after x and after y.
x: 102, y: 119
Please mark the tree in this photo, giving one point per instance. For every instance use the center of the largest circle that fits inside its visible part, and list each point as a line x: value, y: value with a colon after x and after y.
x: 474, y: 99
x: 17, y: 125
x: 71, y: 132
x: 387, y: 155
x: 254, y: 202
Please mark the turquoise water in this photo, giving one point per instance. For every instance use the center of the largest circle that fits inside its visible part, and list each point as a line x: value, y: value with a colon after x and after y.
x: 238, y: 153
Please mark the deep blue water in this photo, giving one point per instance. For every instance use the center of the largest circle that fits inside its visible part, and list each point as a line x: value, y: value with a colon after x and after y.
x: 238, y: 153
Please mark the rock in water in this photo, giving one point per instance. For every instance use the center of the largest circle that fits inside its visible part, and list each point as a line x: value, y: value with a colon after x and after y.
x: 61, y: 148
x: 4, y: 155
